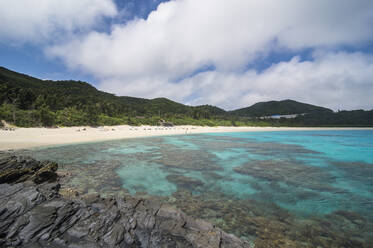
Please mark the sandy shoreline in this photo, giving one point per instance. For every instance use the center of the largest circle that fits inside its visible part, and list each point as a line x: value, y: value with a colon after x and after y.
x: 23, y: 138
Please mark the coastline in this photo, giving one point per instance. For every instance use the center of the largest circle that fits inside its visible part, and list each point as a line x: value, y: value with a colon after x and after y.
x: 25, y: 138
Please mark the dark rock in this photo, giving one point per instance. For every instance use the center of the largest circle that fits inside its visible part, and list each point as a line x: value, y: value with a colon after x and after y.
x: 47, y: 173
x: 34, y: 214
x: 20, y: 169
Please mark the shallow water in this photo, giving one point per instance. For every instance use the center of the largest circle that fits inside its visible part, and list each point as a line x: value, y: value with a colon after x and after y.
x: 293, y: 188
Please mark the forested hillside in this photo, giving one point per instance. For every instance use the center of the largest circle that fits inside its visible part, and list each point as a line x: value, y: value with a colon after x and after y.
x: 27, y: 101
x: 285, y: 107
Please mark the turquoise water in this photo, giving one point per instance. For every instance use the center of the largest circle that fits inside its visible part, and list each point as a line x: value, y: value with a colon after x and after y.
x: 305, y: 174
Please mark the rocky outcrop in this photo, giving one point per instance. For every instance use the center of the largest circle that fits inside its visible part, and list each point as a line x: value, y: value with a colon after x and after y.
x: 34, y: 214
x: 15, y: 169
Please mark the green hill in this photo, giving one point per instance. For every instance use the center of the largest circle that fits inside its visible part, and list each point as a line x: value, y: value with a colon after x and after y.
x: 75, y: 97
x: 28, y: 101
x: 285, y: 107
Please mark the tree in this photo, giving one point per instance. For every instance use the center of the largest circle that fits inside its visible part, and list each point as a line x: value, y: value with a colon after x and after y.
x: 39, y: 102
x: 25, y: 99
x: 47, y: 117
x: 92, y: 115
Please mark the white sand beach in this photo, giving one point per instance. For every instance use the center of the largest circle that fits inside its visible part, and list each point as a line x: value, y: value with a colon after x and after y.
x: 23, y: 138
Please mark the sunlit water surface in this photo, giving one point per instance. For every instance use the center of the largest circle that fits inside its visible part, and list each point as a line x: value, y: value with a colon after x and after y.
x: 300, y: 188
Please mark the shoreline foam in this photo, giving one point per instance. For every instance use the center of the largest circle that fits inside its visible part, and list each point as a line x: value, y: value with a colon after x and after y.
x: 24, y: 138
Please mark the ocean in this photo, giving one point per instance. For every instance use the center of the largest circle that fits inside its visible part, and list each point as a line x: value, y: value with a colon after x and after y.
x: 292, y: 188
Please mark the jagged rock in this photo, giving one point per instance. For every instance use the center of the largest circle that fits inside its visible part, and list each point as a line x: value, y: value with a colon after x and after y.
x: 34, y: 214
x: 15, y: 169
x: 46, y: 173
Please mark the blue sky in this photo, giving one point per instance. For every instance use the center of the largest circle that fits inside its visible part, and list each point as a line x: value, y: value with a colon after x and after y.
x: 29, y: 58
x: 226, y: 53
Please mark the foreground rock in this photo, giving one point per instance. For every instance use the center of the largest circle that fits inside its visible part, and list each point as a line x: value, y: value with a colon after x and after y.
x: 15, y: 169
x: 34, y: 214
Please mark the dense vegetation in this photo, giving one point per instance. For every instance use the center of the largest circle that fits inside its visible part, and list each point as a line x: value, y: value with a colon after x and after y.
x: 355, y: 118
x: 27, y: 101
x: 285, y: 107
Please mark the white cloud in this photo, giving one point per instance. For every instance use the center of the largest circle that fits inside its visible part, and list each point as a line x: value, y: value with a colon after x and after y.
x: 38, y: 20
x: 335, y: 80
x: 145, y: 57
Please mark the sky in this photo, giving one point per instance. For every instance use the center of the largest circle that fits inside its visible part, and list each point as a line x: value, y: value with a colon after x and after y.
x: 228, y: 53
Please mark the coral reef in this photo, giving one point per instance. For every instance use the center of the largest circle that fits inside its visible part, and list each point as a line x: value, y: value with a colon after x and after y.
x: 268, y: 225
x: 289, y: 172
x: 188, y: 159
x: 270, y: 194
